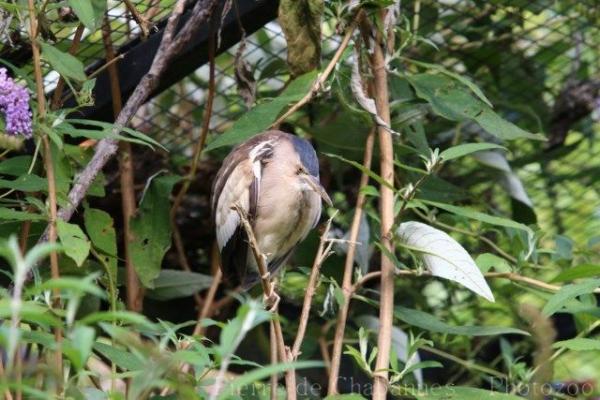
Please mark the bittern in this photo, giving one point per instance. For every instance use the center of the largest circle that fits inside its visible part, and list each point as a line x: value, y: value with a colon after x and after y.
x: 274, y: 178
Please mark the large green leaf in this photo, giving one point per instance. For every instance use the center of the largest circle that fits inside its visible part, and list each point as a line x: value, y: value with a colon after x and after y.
x: 15, y: 215
x: 463, y: 393
x: 151, y: 229
x: 26, y: 183
x: 567, y: 293
x: 64, y: 63
x: 452, y: 100
x: 74, y: 241
x: 15, y: 166
x: 263, y: 115
x: 429, y: 322
x: 100, y: 228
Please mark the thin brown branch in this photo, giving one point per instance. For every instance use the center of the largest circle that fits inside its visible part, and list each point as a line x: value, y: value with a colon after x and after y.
x: 52, y: 234
x: 386, y: 210
x: 318, y: 84
x: 269, y: 293
x: 273, y: 351
x: 208, y: 107
x: 348, y: 268
x: 58, y: 91
x: 126, y: 176
x: 323, y: 252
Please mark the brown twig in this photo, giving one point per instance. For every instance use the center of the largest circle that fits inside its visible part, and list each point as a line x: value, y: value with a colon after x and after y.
x: 318, y: 84
x: 139, y: 19
x: 349, y: 263
x: 269, y: 293
x: 49, y: 164
x: 126, y: 176
x: 170, y: 45
x: 323, y: 252
x: 386, y: 209
x: 7, y: 394
x: 273, y: 350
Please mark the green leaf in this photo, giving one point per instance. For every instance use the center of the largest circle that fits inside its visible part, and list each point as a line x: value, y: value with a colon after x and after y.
x: 100, y: 228
x: 487, y: 261
x: 430, y: 323
x: 151, y: 229
x: 467, y: 148
x: 15, y: 215
x: 15, y: 166
x: 263, y: 115
x: 453, y: 101
x: 26, y: 183
x: 174, y: 284
x: 353, y: 396
x: 64, y: 63
x: 462, y: 79
x: 79, y: 348
x: 567, y: 293
x: 89, y: 12
x: 578, y: 344
x: 74, y: 241
x: 479, y: 216
x: 77, y: 285
x: 578, y: 272
x: 122, y: 358
x: 463, y: 393
x: 261, y: 373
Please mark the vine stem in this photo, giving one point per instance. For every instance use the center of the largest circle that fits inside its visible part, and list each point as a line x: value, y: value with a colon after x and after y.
x: 386, y: 210
x: 340, y: 327
x: 126, y: 176
x: 49, y: 165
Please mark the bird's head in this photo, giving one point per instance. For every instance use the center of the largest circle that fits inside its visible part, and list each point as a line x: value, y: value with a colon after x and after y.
x: 309, y: 182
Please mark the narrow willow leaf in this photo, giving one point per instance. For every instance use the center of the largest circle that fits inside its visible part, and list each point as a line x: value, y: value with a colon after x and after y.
x: 122, y: 358
x: 578, y: 344
x: 174, y: 284
x: 444, y: 256
x: 479, y: 216
x: 74, y: 241
x: 362, y: 168
x: 8, y: 214
x: 567, y: 293
x: 263, y: 115
x: 64, y: 63
x: 430, y: 323
x: 100, y: 228
x: 578, y: 272
x: 466, y: 149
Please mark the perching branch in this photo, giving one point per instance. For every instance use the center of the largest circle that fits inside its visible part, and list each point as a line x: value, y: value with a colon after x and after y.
x: 271, y: 299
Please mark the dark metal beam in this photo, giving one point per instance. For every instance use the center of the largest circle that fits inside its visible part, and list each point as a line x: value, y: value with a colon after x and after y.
x: 253, y: 14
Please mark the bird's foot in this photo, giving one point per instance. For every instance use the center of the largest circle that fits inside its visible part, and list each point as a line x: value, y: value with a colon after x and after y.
x: 271, y: 301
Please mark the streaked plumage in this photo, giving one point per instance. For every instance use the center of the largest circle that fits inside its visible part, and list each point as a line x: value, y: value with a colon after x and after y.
x: 274, y: 177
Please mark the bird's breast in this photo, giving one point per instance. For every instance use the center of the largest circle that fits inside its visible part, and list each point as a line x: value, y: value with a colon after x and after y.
x: 285, y: 214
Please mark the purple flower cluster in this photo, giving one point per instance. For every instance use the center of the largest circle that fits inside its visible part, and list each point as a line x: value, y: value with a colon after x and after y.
x: 14, y: 104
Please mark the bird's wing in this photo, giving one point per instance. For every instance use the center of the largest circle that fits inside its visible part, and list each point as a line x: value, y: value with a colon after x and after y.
x: 238, y: 182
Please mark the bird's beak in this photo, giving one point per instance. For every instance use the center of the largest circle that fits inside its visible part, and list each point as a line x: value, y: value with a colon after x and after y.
x: 318, y: 188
